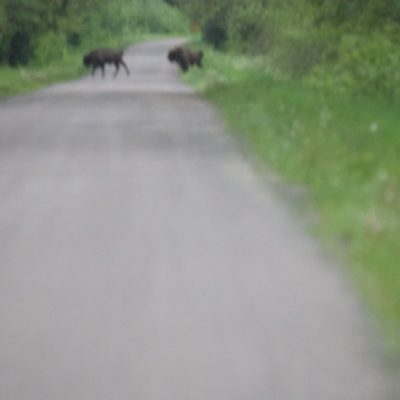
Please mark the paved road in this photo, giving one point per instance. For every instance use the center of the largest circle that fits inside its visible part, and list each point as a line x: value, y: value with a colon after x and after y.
x: 142, y: 258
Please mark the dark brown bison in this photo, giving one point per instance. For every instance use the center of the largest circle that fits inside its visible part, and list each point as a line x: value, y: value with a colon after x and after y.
x: 185, y: 57
x: 100, y: 57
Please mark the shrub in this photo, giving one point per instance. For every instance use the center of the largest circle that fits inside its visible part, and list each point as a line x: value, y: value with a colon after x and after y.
x: 248, y: 30
x: 368, y: 65
x: 50, y: 47
x: 3, y: 41
x: 214, y: 32
x: 297, y: 55
x: 20, y: 50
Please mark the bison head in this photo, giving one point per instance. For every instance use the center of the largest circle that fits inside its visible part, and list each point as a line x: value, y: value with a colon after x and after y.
x: 172, y: 55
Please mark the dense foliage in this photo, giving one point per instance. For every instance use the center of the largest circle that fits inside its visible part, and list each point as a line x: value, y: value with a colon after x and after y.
x: 41, y: 31
x: 336, y: 44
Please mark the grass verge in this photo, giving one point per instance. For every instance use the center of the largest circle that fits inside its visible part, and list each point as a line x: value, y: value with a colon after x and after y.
x: 345, y: 150
x: 20, y: 80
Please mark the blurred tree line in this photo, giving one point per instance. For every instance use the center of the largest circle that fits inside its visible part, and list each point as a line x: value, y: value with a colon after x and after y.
x: 42, y: 31
x: 343, y: 44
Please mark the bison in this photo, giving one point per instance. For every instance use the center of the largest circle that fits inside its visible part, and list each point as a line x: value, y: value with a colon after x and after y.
x: 100, y: 57
x: 185, y: 57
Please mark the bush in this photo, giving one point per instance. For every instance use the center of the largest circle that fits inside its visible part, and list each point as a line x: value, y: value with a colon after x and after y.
x: 50, y: 47
x: 214, y: 32
x: 3, y: 41
x: 296, y: 56
x: 20, y: 49
x: 248, y: 30
x: 368, y: 65
x: 157, y: 16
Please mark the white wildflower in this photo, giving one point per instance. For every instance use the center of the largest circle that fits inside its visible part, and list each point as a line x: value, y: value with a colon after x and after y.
x: 374, y: 127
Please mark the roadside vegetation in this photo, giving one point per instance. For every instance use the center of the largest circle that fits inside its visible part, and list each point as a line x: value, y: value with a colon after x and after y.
x: 312, y: 87
x: 42, y: 41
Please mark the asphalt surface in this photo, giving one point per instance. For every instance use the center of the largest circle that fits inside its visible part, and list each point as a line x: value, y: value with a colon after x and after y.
x: 141, y: 257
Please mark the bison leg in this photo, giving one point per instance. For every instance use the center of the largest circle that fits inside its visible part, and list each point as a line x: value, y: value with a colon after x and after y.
x: 103, y: 72
x: 125, y: 66
x: 94, y: 69
x: 116, y: 68
x: 184, y: 65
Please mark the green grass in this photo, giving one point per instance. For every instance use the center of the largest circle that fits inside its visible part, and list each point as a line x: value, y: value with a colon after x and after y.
x: 344, y: 150
x: 24, y: 79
